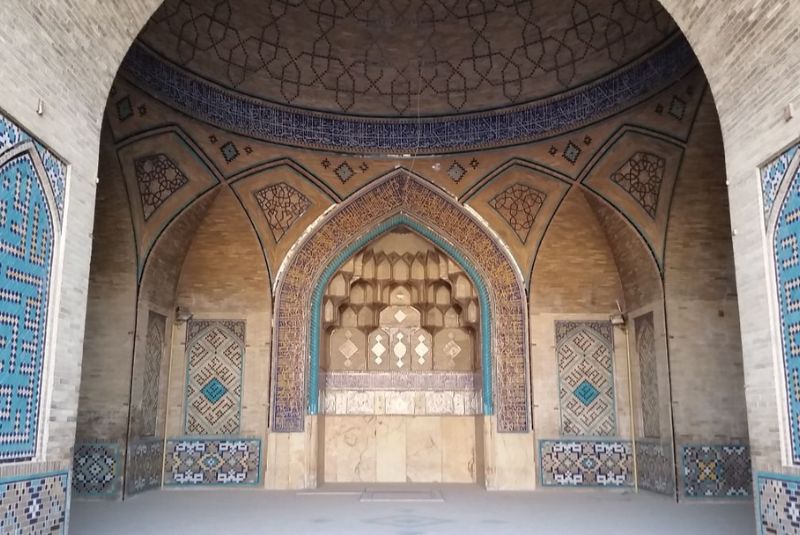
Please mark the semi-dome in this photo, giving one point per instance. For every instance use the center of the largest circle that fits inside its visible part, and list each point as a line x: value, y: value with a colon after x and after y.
x: 421, y: 75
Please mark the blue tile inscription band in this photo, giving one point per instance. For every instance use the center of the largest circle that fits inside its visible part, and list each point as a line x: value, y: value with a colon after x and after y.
x: 270, y: 122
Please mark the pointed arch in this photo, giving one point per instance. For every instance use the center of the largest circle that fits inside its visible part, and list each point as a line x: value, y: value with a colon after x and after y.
x: 781, y: 204
x: 400, y: 198
x: 30, y: 237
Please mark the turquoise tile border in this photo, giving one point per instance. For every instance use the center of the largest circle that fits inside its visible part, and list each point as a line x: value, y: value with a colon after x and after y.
x: 350, y: 250
x: 763, y: 476
x: 66, y: 481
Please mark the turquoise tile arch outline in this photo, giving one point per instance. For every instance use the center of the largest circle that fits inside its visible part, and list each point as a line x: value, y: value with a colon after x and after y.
x: 784, y: 234
x: 761, y: 479
x: 21, y: 441
x: 382, y: 228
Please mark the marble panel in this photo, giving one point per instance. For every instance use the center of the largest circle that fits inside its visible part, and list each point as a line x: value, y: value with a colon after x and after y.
x: 424, y: 449
x: 390, y: 441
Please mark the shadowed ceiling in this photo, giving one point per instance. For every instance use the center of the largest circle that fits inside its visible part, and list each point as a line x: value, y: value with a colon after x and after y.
x: 395, y: 58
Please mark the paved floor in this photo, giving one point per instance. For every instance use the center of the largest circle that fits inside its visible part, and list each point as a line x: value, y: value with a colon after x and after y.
x: 440, y: 510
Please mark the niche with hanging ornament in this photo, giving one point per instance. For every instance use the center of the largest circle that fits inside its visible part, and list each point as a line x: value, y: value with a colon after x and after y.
x: 401, y: 316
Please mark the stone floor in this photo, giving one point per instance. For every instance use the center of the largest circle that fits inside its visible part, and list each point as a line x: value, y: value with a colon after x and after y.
x: 440, y: 510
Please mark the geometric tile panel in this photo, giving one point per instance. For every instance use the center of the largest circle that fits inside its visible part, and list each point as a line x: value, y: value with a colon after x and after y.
x: 282, y: 205
x: 154, y: 349
x: 97, y: 469
x: 35, y: 504
x: 145, y: 461
x: 778, y: 504
x: 648, y: 374
x: 785, y: 241
x: 215, y: 359
x: 26, y: 251
x: 158, y: 178
x: 12, y: 135
x: 772, y: 176
x: 518, y: 204
x: 654, y: 466
x: 716, y: 471
x: 641, y: 177
x: 585, y: 352
x: 264, y: 120
x: 228, y: 461
x: 400, y: 198
x: 586, y: 463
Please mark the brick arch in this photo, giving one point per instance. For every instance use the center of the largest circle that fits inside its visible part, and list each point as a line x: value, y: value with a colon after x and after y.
x: 400, y: 198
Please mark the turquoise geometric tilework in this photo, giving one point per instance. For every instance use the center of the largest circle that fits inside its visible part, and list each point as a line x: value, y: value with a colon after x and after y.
x: 26, y: 251
x: 586, y: 393
x: 586, y: 463
x: 213, y: 461
x: 35, y: 504
x: 786, y: 261
x: 585, y: 352
x: 214, y: 372
x: 716, y: 471
x: 145, y: 459
x: 386, y: 226
x: 778, y: 504
x: 97, y: 469
x: 214, y: 390
x: 12, y: 135
x: 772, y: 176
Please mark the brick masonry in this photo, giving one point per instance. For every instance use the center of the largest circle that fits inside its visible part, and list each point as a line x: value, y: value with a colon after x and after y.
x: 751, y: 88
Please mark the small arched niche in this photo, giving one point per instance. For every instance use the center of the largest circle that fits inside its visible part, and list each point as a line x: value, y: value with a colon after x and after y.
x: 400, y: 365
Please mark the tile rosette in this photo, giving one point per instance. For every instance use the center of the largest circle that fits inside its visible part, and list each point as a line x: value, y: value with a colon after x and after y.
x: 716, y: 471
x: 97, y: 470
